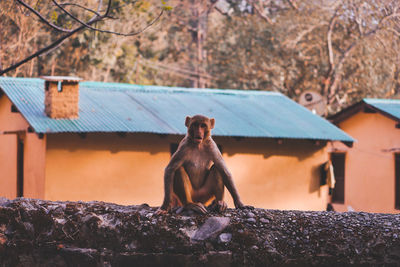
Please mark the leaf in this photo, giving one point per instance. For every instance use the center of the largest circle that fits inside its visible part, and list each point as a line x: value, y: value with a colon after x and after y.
x: 165, y: 6
x: 54, y: 16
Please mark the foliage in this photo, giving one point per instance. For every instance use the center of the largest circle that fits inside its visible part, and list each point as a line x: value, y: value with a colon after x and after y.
x: 344, y: 49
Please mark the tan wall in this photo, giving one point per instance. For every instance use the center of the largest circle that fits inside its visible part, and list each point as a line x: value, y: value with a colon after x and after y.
x: 10, y: 121
x: 34, y: 165
x: 125, y: 170
x: 34, y: 154
x: 8, y: 165
x: 369, y: 166
x: 277, y: 176
x: 129, y: 170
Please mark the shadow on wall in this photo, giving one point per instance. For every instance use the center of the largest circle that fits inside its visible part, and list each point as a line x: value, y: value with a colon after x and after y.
x: 315, y: 180
x: 156, y: 143
x: 113, y: 142
x: 301, y: 149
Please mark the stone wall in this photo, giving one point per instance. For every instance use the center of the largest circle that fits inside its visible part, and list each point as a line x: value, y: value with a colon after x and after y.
x: 45, y: 233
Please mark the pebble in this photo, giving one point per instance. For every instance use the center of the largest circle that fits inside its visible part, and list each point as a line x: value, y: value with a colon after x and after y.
x: 225, y: 237
x: 250, y: 215
x: 251, y: 220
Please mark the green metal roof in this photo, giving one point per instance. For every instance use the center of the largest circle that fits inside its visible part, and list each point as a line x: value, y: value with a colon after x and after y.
x: 115, y: 107
x: 389, y: 106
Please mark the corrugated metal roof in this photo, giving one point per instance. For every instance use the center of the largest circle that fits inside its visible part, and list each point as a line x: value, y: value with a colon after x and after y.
x: 389, y: 106
x: 114, y: 107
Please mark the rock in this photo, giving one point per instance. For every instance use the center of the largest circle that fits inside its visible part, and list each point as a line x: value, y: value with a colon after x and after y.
x: 250, y: 214
x: 44, y: 233
x: 251, y: 220
x: 225, y: 238
x: 212, y: 227
x: 3, y: 201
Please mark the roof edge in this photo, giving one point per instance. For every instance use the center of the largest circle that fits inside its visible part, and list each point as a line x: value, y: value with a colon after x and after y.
x: 153, y: 88
x: 347, y: 112
x: 95, y: 85
x: 355, y: 108
x: 216, y: 135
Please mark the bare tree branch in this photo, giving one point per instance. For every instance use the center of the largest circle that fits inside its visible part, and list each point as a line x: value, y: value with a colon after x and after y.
x: 45, y: 49
x: 43, y: 19
x: 177, y: 69
x: 334, y: 75
x: 329, y: 39
x: 292, y: 4
x: 80, y: 6
x: 260, y: 13
x: 106, y: 31
x: 292, y: 43
x: 69, y: 32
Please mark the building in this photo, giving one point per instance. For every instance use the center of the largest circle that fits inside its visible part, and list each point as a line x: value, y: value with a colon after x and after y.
x: 62, y: 139
x: 368, y: 174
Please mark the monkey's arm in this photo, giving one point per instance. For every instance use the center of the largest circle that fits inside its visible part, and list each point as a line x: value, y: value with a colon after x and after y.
x: 227, y: 177
x: 176, y: 161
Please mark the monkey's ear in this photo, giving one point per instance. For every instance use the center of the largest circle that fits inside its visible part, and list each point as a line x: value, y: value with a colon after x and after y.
x: 187, y: 121
x: 212, y: 123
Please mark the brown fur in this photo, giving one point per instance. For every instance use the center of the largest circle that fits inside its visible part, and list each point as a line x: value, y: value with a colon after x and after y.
x: 197, y: 173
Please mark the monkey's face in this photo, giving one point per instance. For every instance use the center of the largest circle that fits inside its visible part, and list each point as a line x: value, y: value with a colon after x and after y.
x: 199, y: 128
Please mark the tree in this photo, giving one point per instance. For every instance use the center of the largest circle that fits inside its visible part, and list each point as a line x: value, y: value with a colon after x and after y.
x: 346, y: 49
x: 64, y: 21
x: 343, y: 49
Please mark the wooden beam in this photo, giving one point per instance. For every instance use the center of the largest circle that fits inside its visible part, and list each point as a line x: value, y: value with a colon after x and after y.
x: 14, y: 109
x: 348, y: 144
x: 163, y: 136
x: 121, y: 134
x: 13, y: 132
x: 368, y: 109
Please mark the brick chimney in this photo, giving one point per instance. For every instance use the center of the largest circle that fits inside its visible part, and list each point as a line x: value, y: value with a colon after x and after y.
x: 61, y: 99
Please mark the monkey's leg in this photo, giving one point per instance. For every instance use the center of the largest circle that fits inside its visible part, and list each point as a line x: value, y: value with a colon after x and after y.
x: 183, y: 190
x: 213, y: 189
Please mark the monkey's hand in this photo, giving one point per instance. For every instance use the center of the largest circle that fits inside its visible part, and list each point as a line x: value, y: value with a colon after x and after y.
x: 218, y: 206
x: 239, y: 205
x: 245, y: 207
x: 196, y: 207
x: 165, y: 207
x: 160, y: 211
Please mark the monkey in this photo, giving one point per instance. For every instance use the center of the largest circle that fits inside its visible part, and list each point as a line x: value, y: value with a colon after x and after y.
x: 197, y: 173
